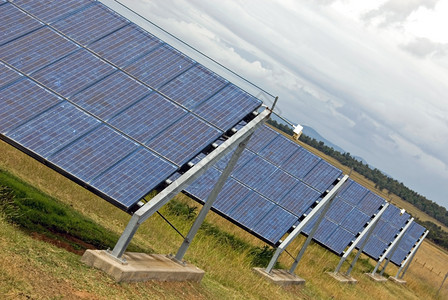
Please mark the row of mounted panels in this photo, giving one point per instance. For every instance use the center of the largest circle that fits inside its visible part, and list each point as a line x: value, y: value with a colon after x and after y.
x: 104, y: 102
x: 276, y: 182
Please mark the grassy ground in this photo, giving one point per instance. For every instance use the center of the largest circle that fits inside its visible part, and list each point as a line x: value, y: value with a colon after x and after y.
x: 32, y: 268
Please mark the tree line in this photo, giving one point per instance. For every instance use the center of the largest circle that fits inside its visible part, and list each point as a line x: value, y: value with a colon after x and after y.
x: 383, y: 182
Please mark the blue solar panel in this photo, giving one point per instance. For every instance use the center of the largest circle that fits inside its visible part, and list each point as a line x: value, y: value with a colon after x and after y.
x: 261, y: 138
x: 322, y: 176
x: 35, y: 50
x: 337, y: 241
x: 244, y: 158
x: 352, y: 192
x: 272, y: 226
x: 144, y: 170
x: 254, y: 172
x: 370, y: 203
x: 184, y: 139
x: 113, y: 94
x: 90, y: 24
x: 409, y: 240
x: 300, y: 163
x: 193, y: 87
x: 250, y: 211
x: 223, y: 113
x: 160, y: 66
x: 299, y: 199
x: 355, y: 221
x: 279, y: 150
x: 49, y: 13
x: 338, y: 211
x: 73, y: 73
x: 14, y: 23
x: 277, y: 185
x: 202, y: 186
x: 22, y: 101
x: 125, y: 45
x: 375, y: 247
x: 324, y: 231
x: 7, y: 75
x: 58, y: 127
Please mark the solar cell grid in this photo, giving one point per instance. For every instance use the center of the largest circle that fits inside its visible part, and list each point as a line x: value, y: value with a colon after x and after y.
x: 324, y: 231
x: 160, y: 66
x: 49, y: 13
x: 111, y: 95
x: 90, y: 24
x: 73, y: 73
x: 7, y: 75
x: 272, y: 226
x: 338, y: 211
x: 261, y: 138
x: 125, y: 45
x: 221, y: 112
x: 15, y: 23
x: 231, y: 195
x: 255, y: 172
x: 58, y: 126
x: 370, y: 203
x: 387, y: 233
x: 22, y: 101
x: 244, y: 158
x: 299, y: 199
x: 36, y: 49
x: 339, y: 240
x: 202, y: 186
x: 277, y: 185
x: 355, y: 221
x: 193, y: 87
x: 144, y: 171
x: 94, y: 153
x: 300, y: 163
x: 184, y: 139
x: 251, y: 210
x: 375, y: 247
x: 322, y: 176
x: 353, y: 192
x: 279, y: 150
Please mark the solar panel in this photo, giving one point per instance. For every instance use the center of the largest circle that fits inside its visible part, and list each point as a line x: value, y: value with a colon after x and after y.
x: 37, y: 49
x: 300, y: 163
x: 254, y: 172
x: 279, y: 150
x: 408, y: 241
x: 389, y: 225
x: 79, y: 92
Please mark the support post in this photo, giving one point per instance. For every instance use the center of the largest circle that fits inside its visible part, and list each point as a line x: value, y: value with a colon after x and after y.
x: 304, y: 222
x: 147, y: 210
x: 366, y: 232
x: 409, y: 259
x: 392, y: 246
x: 211, y: 199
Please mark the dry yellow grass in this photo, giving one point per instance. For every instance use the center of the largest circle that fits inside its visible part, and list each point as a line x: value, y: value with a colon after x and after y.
x: 57, y: 273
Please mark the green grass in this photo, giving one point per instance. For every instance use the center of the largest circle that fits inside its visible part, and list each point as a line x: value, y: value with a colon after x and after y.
x: 33, y: 211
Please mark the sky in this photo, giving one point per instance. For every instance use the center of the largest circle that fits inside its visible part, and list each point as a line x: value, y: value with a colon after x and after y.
x: 370, y: 76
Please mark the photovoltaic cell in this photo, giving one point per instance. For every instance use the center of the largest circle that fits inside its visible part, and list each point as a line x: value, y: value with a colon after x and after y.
x: 300, y: 163
x: 181, y: 141
x: 322, y: 176
x: 251, y: 210
x: 355, y: 221
x: 223, y: 113
x: 90, y: 24
x: 244, y: 158
x: 125, y: 45
x: 352, y: 192
x: 111, y: 95
x: 58, y: 127
x: 254, y: 172
x: 14, y: 23
x: 277, y: 185
x: 73, y: 73
x: 279, y: 150
x: 299, y: 199
x: 407, y: 243
x: 338, y: 211
x: 271, y: 227
x: 22, y: 101
x: 160, y: 66
x: 337, y: 241
x: 49, y: 13
x: 35, y: 50
x: 370, y: 203
x: 7, y: 75
x: 324, y: 231
x: 193, y: 87
x: 143, y: 173
x: 261, y: 138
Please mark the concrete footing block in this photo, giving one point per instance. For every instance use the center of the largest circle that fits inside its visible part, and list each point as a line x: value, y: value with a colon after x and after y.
x: 397, y: 280
x: 280, y: 277
x: 342, y: 278
x: 142, y: 267
x: 376, y: 277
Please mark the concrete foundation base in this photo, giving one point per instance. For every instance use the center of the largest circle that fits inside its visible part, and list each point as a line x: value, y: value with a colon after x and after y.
x: 397, y: 280
x: 376, y: 277
x: 342, y: 278
x: 142, y: 267
x: 280, y: 277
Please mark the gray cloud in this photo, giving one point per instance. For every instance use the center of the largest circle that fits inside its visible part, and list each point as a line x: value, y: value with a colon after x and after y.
x: 424, y: 47
x: 397, y: 11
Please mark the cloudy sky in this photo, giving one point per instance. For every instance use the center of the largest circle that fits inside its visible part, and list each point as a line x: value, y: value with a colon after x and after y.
x: 370, y: 76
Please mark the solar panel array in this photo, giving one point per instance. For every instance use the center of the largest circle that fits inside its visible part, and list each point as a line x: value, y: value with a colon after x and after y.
x: 388, y: 227
x: 351, y: 210
x: 104, y: 102
x: 407, y: 243
x: 274, y: 183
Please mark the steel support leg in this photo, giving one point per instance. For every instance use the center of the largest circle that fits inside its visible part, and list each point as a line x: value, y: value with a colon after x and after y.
x: 409, y: 259
x: 211, y: 199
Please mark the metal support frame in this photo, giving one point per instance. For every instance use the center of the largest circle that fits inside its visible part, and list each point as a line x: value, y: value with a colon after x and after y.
x: 147, y: 210
x: 320, y: 207
x: 391, y: 249
x: 409, y: 259
x: 211, y: 198
x: 367, y: 232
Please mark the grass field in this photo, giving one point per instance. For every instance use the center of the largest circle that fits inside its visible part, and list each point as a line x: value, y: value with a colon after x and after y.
x: 32, y: 268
